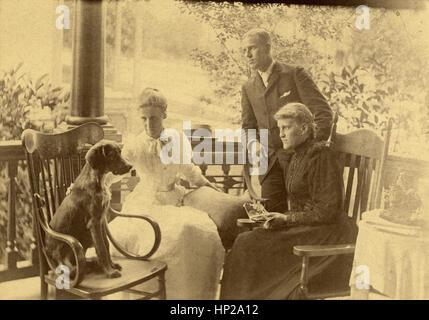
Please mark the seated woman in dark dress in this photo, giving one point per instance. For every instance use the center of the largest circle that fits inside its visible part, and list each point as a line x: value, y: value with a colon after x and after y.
x: 261, y: 264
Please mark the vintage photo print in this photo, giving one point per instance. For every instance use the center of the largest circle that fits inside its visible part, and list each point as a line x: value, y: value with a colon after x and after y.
x: 214, y: 150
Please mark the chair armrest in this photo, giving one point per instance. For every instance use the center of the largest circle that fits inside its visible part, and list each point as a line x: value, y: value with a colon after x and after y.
x: 71, y: 241
x: 115, y: 214
x: 324, y: 250
x: 77, y: 250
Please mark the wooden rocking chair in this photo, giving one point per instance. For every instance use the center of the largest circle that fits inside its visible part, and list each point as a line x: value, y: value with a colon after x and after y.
x: 361, y: 154
x: 54, y: 161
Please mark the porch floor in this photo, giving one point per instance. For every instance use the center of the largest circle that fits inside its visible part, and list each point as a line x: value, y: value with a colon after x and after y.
x: 23, y: 289
x: 29, y: 289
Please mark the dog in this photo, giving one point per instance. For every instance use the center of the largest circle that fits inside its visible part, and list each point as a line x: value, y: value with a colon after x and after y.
x: 82, y: 212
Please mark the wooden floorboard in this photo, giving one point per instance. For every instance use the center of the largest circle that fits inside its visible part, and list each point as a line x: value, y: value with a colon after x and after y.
x: 29, y: 289
x: 23, y: 289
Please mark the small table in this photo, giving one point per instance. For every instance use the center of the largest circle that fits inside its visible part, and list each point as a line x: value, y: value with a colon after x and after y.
x: 392, y: 259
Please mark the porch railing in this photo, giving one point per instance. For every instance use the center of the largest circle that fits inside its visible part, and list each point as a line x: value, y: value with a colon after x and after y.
x: 15, y: 266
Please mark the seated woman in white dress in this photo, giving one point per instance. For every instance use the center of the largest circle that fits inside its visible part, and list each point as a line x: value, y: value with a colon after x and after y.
x: 190, y: 243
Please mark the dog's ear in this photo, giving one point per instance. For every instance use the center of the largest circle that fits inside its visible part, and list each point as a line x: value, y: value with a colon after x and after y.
x: 96, y: 157
x: 91, y: 158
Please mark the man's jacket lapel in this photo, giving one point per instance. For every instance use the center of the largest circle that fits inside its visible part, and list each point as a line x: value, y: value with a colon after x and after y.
x: 258, y: 84
x: 274, y: 77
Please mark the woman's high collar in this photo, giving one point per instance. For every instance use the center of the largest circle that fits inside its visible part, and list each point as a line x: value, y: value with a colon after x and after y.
x: 145, y: 134
x: 302, y: 147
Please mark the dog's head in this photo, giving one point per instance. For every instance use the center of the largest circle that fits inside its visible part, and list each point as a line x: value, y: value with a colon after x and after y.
x: 105, y: 156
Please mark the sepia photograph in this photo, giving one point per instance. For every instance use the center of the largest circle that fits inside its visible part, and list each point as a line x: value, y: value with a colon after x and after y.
x: 214, y: 151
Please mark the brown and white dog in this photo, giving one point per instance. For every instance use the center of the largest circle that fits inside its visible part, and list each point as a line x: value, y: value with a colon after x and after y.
x: 83, y: 210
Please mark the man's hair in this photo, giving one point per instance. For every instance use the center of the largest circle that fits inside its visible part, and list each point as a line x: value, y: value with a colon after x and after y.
x: 299, y: 112
x: 151, y: 97
x: 262, y: 35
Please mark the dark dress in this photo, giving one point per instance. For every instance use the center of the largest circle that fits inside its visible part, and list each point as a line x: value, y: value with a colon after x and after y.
x: 261, y: 264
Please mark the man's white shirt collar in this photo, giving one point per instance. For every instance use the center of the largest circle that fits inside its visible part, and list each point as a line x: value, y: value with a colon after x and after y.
x: 265, y: 75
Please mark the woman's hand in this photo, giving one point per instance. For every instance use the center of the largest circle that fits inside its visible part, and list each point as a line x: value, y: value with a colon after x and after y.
x: 275, y: 221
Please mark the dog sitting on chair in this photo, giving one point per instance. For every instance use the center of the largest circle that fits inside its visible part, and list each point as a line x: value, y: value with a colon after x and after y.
x: 83, y: 210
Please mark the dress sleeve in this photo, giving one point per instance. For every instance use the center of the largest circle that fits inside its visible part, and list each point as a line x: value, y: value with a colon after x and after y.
x: 191, y: 172
x: 325, y: 186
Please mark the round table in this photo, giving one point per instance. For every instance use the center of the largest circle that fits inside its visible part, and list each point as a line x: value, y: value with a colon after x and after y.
x: 392, y: 259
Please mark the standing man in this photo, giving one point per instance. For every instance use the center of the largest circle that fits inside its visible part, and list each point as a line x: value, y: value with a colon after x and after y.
x: 271, y: 86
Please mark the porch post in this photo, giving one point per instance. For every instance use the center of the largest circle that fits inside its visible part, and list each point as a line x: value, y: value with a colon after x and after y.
x: 87, y: 99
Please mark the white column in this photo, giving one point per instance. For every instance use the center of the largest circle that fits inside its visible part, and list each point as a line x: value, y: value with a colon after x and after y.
x: 138, y: 47
x: 118, y: 41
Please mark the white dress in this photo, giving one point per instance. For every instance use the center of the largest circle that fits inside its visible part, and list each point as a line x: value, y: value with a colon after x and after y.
x: 190, y: 243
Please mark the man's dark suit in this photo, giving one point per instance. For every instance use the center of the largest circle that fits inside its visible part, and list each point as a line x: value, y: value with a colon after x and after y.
x: 259, y: 104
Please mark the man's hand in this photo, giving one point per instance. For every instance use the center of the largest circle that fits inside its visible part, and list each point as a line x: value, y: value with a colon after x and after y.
x: 275, y: 221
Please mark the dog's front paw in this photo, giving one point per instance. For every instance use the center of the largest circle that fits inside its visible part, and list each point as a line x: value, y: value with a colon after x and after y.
x: 116, y: 266
x: 113, y: 274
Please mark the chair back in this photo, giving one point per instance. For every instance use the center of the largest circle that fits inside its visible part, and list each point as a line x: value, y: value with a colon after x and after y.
x: 361, y: 155
x: 54, y: 162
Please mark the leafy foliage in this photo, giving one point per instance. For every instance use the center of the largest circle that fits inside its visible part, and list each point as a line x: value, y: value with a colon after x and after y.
x: 26, y: 104
x: 364, y: 74
x: 358, y: 104
x: 230, y: 21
